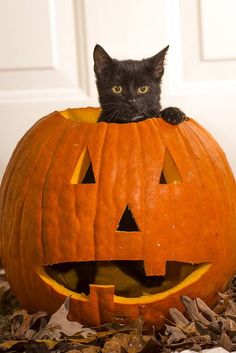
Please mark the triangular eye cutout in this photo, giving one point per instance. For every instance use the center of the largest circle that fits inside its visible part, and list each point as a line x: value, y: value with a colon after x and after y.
x: 83, y: 173
x: 170, y: 173
x: 89, y: 176
x: 127, y: 222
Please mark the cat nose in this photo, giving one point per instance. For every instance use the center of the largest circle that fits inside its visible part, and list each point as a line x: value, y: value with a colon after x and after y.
x: 132, y: 101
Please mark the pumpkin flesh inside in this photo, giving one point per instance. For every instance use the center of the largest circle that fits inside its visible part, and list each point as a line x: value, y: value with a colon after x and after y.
x: 127, y: 277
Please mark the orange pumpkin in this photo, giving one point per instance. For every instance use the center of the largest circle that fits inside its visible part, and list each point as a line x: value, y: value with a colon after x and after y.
x: 148, y: 192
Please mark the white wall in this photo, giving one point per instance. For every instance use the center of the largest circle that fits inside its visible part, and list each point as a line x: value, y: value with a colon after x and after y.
x: 46, y: 58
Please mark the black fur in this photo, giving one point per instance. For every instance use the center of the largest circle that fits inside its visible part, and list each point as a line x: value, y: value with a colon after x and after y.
x: 130, y: 75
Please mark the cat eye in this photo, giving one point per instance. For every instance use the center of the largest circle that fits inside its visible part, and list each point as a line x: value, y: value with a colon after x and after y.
x: 143, y: 89
x: 117, y: 89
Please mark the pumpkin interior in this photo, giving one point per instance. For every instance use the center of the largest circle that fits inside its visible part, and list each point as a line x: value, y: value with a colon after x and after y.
x: 85, y: 115
x: 128, y: 277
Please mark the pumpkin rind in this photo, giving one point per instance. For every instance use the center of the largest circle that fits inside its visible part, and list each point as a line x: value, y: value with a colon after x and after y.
x: 48, y: 218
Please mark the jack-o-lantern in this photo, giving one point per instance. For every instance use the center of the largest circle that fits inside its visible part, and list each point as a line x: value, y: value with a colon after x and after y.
x: 124, y: 218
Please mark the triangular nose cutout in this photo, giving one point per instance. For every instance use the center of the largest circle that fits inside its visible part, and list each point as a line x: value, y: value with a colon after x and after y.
x: 127, y: 222
x: 83, y: 173
x: 170, y: 173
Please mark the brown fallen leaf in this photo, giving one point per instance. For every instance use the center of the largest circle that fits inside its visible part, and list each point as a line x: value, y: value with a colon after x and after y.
x: 21, y: 323
x: 193, y: 310
x: 231, y: 310
x: 59, y: 325
x: 136, y: 341
x: 151, y: 346
x: 179, y: 319
x: 49, y: 344
x: 90, y: 349
x: 225, y: 342
x: 117, y: 344
x: 203, y: 308
x: 175, y: 334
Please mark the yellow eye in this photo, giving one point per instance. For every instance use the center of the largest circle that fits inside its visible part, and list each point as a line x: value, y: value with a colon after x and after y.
x: 117, y: 89
x: 142, y: 89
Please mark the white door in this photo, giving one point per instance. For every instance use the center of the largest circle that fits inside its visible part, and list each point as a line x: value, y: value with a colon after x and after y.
x: 46, y: 58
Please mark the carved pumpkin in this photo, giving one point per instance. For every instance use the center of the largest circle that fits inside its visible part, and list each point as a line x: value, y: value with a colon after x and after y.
x: 78, y: 194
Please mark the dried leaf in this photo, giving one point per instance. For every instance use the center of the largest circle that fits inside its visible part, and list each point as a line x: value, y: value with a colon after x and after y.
x: 225, y: 342
x: 193, y: 311
x: 117, y: 344
x: 231, y: 310
x: 229, y: 326
x: 190, y: 329
x: 136, y: 341
x: 175, y: 334
x: 9, y: 344
x: 179, y: 319
x: 205, y: 309
x: 91, y: 349
x: 196, y: 348
x: 21, y: 323
x: 151, y: 346
x: 205, y: 331
x: 59, y: 325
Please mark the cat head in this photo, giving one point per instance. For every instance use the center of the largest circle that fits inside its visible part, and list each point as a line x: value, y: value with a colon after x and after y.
x: 128, y: 88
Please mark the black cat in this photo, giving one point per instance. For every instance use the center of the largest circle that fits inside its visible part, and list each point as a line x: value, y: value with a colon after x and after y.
x: 129, y: 90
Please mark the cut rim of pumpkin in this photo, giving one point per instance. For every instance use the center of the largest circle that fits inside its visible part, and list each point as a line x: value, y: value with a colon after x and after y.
x: 81, y: 115
x: 187, y: 274
x: 90, y: 115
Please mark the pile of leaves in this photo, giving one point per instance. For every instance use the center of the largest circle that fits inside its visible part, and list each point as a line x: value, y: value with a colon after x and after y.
x: 199, y: 328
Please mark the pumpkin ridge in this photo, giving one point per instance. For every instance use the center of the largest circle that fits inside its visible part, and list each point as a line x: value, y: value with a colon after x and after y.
x: 219, y: 156
x: 217, y: 175
x: 203, y: 138
x: 189, y: 148
x: 11, y: 169
x: 51, y: 135
x: 54, y: 152
x: 98, y: 181
x: 19, y: 150
x: 83, y: 145
x: 148, y: 132
x: 203, y: 145
x: 21, y: 209
x: 143, y: 186
x: 207, y: 153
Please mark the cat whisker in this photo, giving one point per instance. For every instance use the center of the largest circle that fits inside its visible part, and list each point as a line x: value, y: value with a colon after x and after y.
x: 111, y: 115
x: 114, y: 116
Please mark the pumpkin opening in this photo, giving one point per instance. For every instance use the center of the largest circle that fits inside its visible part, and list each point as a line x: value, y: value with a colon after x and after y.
x: 128, y: 277
x: 170, y: 173
x: 83, y: 172
x: 127, y: 222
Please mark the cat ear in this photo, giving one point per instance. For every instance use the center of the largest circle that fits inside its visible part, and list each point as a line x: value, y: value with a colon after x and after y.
x: 158, y: 62
x: 102, y: 61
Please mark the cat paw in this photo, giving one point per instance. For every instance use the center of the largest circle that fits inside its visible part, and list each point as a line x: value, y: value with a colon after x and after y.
x: 173, y: 115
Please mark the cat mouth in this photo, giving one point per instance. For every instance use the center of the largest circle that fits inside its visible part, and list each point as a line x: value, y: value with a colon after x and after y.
x: 127, y: 277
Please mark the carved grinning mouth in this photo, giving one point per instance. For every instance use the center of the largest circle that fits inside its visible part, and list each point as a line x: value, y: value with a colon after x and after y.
x: 127, y: 277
